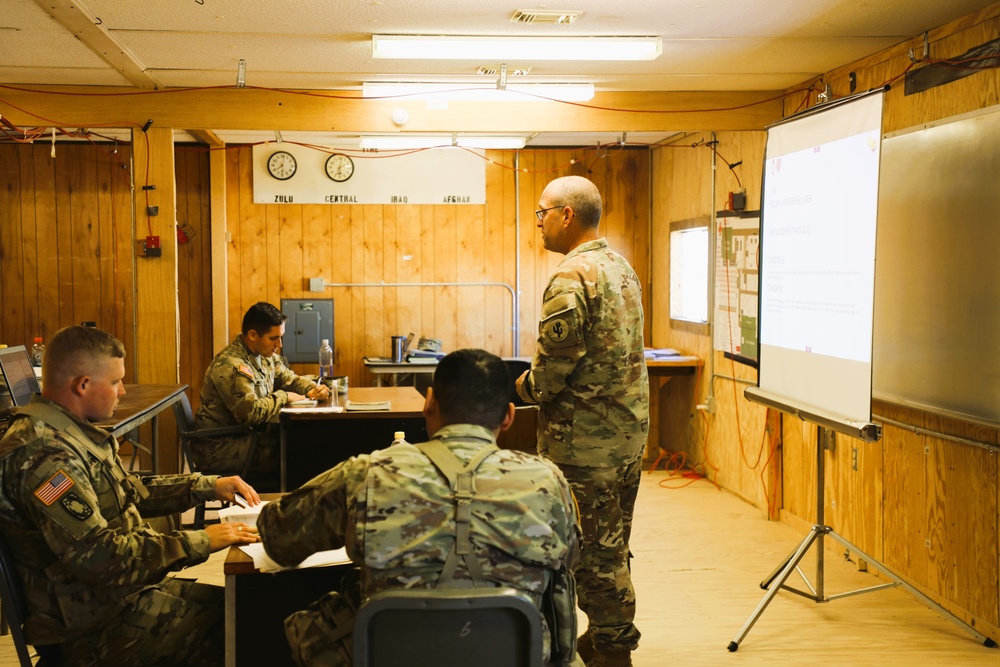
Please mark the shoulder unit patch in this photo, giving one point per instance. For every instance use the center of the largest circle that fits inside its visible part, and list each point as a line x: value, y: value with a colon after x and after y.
x: 76, y: 507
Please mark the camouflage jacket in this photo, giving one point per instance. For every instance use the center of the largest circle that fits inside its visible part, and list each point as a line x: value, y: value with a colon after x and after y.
x: 75, y: 527
x: 588, y: 374
x: 395, y: 513
x: 245, y: 388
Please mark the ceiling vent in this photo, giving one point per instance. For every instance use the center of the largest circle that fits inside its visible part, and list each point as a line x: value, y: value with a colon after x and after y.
x: 494, y: 70
x: 546, y: 16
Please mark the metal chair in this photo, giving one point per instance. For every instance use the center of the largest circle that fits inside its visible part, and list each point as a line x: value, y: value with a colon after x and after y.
x: 14, y: 605
x: 491, y: 627
x: 187, y: 431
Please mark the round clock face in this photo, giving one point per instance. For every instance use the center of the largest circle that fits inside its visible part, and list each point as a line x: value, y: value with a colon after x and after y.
x: 339, y: 167
x: 281, y: 165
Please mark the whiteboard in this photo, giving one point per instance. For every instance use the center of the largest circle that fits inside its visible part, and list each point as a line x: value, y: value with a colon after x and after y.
x: 937, y: 280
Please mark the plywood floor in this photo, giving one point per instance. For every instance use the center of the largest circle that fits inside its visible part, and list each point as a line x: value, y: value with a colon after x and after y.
x: 699, y: 557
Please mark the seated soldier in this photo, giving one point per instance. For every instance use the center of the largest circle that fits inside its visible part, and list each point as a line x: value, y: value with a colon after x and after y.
x: 94, y: 573
x: 247, y: 384
x: 516, y: 495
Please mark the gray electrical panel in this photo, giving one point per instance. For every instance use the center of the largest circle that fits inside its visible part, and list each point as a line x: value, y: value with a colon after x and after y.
x: 309, y: 321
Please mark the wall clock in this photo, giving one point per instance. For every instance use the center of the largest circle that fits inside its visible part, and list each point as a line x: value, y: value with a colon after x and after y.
x: 339, y: 167
x: 281, y: 165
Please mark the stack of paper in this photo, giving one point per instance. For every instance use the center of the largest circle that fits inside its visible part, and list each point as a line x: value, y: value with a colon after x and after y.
x: 262, y: 562
x: 662, y: 353
x: 424, y: 356
x: 236, y: 514
x: 370, y: 405
x: 313, y: 410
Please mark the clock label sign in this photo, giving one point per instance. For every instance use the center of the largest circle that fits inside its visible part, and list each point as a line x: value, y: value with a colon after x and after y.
x: 340, y: 199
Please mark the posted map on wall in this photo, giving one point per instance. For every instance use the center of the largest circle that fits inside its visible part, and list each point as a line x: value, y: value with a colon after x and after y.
x: 736, y: 283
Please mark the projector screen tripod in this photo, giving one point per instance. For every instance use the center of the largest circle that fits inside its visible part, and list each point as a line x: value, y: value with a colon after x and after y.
x: 778, y: 577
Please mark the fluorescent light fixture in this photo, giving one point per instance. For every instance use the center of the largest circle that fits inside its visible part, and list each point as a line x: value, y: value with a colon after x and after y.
x: 417, y: 141
x: 480, y: 92
x: 425, y: 47
x: 510, y: 143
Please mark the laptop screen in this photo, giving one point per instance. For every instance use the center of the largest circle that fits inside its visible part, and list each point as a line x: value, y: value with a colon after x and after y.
x: 18, y: 373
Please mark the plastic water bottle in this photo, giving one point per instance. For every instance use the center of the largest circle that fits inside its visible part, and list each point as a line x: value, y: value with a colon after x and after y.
x: 37, y: 350
x: 325, y: 361
x: 399, y: 438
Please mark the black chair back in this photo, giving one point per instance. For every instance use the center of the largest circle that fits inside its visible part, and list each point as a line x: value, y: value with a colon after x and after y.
x: 492, y: 627
x: 14, y: 606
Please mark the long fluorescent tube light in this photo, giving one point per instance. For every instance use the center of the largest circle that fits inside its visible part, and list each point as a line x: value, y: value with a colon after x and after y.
x: 510, y: 143
x: 479, y: 92
x: 424, y: 47
x: 416, y: 141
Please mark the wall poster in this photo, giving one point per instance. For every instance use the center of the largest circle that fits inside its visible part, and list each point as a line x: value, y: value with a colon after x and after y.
x: 736, y: 283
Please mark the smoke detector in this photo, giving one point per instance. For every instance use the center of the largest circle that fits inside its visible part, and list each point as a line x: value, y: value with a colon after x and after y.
x: 547, y: 16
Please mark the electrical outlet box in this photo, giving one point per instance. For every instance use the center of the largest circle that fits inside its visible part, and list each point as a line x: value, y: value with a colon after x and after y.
x: 738, y: 200
x: 309, y: 322
x: 150, y: 246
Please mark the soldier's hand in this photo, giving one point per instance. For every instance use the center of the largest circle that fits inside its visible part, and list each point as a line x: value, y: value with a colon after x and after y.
x: 226, y: 489
x: 519, y: 385
x: 292, y: 396
x: 320, y: 392
x: 222, y: 535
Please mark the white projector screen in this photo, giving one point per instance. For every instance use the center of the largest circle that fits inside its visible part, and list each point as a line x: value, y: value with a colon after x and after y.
x: 817, y: 268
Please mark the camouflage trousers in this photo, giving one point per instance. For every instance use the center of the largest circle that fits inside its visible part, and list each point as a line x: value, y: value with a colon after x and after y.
x: 606, y: 497
x: 322, y: 635
x: 227, y: 455
x: 176, y: 621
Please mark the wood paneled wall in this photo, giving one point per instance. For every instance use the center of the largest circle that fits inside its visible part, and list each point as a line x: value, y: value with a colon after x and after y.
x: 67, y: 253
x: 275, y: 249
x: 925, y: 506
x: 66, y: 249
x: 194, y: 267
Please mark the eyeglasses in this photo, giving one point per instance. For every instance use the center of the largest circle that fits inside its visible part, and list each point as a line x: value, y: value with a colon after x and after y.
x: 540, y: 214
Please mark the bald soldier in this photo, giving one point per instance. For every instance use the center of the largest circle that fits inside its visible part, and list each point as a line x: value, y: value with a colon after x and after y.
x: 588, y: 376
x: 395, y: 510
x: 247, y: 384
x: 94, y: 574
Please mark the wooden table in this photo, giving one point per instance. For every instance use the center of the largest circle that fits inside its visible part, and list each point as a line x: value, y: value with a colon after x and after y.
x: 668, y: 367
x: 660, y: 372
x: 257, y: 604
x: 314, y: 442
x: 143, y: 403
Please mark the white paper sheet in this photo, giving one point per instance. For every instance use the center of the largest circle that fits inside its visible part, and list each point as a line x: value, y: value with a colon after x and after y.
x: 319, y: 559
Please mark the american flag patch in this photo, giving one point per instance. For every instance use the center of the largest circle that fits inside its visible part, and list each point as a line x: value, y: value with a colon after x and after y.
x: 50, y: 491
x: 245, y: 370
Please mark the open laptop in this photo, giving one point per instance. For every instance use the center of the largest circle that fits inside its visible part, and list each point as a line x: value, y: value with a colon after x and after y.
x: 15, y: 366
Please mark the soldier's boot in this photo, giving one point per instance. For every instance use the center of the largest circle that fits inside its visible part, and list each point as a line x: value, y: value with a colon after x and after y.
x: 585, y: 647
x: 611, y: 658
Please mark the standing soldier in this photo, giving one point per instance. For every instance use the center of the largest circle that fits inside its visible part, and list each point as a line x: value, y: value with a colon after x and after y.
x: 589, y: 378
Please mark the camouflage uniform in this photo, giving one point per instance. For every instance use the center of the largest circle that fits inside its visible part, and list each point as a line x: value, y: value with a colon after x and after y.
x: 395, y: 513
x: 589, y: 377
x: 93, y: 573
x: 244, y: 388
